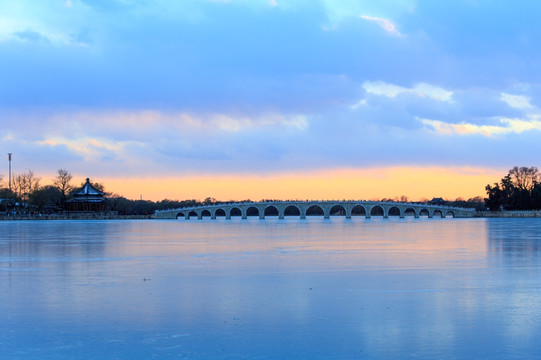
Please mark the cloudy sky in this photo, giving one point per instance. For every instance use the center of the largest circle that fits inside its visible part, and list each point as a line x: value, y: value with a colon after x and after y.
x: 267, y: 99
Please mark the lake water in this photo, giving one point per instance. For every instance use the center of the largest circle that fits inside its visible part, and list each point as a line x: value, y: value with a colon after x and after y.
x: 271, y: 289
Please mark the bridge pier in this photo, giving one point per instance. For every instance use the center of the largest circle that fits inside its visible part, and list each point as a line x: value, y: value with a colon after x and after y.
x: 368, y: 211
x: 261, y: 215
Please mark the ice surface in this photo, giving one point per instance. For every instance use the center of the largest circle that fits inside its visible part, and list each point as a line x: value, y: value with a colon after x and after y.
x: 271, y: 289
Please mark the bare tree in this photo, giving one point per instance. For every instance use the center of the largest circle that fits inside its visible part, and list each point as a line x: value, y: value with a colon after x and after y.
x: 62, y: 182
x: 524, y: 178
x: 24, y: 184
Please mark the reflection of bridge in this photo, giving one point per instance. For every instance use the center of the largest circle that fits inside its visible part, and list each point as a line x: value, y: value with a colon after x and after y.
x: 326, y: 209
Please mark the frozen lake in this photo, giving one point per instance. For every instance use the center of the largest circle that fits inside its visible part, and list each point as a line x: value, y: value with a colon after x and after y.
x: 271, y: 289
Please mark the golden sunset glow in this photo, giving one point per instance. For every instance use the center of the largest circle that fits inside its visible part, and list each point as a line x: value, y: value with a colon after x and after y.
x: 416, y: 183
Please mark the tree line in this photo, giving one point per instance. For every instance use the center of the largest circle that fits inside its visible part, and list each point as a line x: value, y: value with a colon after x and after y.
x: 27, y: 195
x: 520, y: 189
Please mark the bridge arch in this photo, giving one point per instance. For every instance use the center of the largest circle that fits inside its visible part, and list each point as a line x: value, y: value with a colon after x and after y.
x: 271, y: 210
x: 410, y: 212
x: 192, y: 214
x: 358, y: 210
x: 252, y: 211
x: 205, y: 213
x: 377, y: 210
x: 449, y: 213
x: 394, y: 211
x: 292, y: 210
x: 235, y: 211
x: 337, y: 210
x: 219, y: 213
x: 437, y: 212
x: 424, y: 212
x: 314, y: 210
x: 180, y: 215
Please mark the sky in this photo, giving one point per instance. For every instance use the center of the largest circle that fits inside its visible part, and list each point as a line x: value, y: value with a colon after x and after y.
x: 238, y: 99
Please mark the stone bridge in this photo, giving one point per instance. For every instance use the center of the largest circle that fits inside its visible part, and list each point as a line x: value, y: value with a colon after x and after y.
x: 303, y: 209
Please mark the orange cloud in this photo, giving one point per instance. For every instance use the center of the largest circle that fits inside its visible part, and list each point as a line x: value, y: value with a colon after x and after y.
x: 367, y: 183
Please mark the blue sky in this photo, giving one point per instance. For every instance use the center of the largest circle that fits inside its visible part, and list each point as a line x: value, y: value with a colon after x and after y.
x: 167, y: 88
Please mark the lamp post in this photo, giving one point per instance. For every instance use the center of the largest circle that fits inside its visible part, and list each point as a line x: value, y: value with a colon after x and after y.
x: 9, y: 159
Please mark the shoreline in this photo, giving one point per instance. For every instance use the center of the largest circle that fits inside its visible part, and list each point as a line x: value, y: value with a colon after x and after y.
x: 98, y: 216
x: 85, y: 216
x: 508, y: 214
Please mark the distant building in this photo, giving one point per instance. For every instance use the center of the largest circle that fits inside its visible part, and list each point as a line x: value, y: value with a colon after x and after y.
x: 87, y: 199
x: 437, y: 201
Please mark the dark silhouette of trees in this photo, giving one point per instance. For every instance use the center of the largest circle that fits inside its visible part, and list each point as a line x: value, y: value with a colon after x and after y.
x: 209, y: 201
x: 46, y: 199
x: 125, y: 206
x: 520, y: 189
x: 475, y: 202
x: 62, y: 182
x: 25, y: 184
x: 524, y: 178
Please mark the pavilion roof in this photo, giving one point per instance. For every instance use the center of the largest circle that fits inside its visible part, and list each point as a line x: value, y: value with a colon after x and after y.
x: 88, y: 190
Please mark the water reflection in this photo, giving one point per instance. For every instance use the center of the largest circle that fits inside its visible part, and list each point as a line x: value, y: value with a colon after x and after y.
x: 515, y: 242
x: 52, y: 241
x: 361, y: 288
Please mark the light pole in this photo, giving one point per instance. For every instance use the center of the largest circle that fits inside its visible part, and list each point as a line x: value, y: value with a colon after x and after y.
x: 9, y: 159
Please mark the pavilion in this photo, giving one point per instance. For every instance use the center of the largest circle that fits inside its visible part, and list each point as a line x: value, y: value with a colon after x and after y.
x: 87, y: 199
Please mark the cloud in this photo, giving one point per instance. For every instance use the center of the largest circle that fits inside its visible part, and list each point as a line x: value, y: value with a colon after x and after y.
x: 362, y: 102
x: 460, y: 112
x: 241, y: 87
x: 31, y: 35
x: 234, y: 124
x: 385, y: 24
x: 342, y: 11
x: 130, y: 138
x: 507, y: 126
x: 516, y: 101
x: 90, y: 149
x: 419, y: 89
